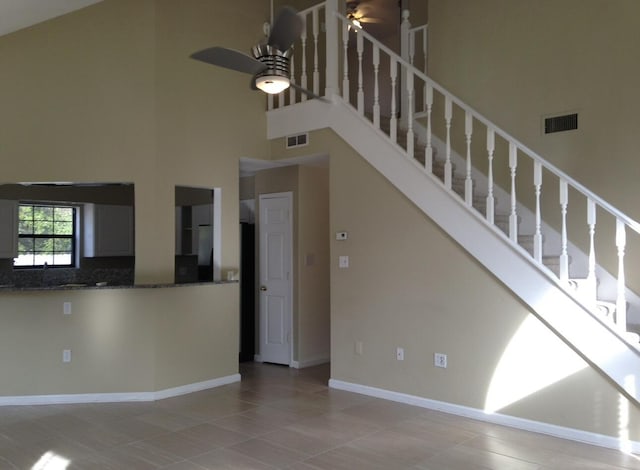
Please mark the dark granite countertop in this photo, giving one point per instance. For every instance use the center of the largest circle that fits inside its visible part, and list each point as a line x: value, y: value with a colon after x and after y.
x: 11, y: 288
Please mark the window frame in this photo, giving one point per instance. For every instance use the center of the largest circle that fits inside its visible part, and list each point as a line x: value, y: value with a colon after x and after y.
x: 73, y: 237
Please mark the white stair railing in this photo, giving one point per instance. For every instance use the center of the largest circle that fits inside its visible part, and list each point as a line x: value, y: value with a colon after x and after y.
x: 360, y: 57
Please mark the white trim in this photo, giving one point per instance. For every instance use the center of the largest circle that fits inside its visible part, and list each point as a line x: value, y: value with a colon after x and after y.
x: 314, y: 361
x: 496, y: 418
x: 117, y: 397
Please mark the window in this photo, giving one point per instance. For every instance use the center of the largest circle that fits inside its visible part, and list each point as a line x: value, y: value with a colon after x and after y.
x: 46, y: 236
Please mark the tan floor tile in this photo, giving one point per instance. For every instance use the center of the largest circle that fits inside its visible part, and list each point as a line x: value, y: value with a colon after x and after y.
x: 214, y: 435
x: 467, y: 458
x: 269, y: 453
x: 228, y: 459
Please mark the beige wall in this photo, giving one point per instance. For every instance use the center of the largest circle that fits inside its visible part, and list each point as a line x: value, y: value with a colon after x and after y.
x: 516, y: 62
x: 410, y: 286
x: 108, y: 93
x: 121, y: 340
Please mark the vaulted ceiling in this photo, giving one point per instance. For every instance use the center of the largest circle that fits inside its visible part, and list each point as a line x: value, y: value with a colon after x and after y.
x: 18, y: 14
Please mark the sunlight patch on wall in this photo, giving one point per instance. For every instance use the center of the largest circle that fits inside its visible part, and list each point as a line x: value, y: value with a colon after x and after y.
x: 534, y: 359
x: 51, y: 461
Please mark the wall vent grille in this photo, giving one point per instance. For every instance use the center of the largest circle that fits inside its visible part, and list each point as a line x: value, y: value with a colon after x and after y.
x: 297, y: 140
x: 568, y: 122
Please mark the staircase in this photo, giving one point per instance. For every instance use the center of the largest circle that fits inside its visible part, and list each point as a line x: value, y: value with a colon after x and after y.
x: 441, y: 176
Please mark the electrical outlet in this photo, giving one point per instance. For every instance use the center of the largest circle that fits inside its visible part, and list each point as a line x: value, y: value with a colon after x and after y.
x: 440, y: 360
x: 66, y: 355
x: 400, y: 354
x: 66, y: 308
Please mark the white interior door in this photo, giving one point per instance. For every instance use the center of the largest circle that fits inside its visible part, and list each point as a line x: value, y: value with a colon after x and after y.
x: 275, y: 278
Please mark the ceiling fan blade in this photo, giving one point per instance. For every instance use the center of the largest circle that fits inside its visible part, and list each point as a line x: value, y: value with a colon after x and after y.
x: 287, y: 27
x: 230, y: 59
x: 308, y: 92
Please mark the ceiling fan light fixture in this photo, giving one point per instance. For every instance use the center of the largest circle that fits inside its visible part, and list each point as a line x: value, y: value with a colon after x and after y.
x: 272, y: 84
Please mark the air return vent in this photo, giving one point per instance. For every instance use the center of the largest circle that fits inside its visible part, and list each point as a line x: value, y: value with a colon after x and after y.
x: 297, y: 140
x: 567, y: 122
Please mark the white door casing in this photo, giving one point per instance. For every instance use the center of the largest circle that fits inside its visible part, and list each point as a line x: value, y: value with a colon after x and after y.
x: 276, y: 283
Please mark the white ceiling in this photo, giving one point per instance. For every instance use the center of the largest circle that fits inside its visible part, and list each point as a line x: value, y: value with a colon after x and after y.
x: 18, y: 14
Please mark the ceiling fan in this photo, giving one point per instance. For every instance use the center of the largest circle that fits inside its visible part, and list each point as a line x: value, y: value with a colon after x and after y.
x: 269, y: 65
x: 358, y: 14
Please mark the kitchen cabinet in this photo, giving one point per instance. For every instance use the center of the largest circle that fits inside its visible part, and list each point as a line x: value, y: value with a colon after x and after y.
x: 108, y: 230
x: 8, y: 229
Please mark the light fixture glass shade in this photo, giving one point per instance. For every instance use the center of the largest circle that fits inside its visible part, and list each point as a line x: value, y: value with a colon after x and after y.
x: 272, y: 84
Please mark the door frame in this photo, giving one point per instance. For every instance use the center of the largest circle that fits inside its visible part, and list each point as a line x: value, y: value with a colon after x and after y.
x: 291, y: 337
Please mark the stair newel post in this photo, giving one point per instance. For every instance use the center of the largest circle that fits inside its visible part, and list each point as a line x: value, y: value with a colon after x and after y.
x: 621, y: 300
x: 448, y: 115
x: 316, y: 69
x: 468, y: 182
x: 491, y: 147
x: 345, y: 63
x: 428, y: 151
x: 537, y: 237
x: 592, y: 283
x: 513, y: 216
x: 360, y: 50
x: 410, y: 80
x: 332, y: 49
x: 376, y: 90
x: 393, y: 123
x: 564, y: 256
x: 303, y: 67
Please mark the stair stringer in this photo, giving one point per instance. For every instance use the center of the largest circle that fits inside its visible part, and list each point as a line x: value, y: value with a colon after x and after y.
x: 598, y: 343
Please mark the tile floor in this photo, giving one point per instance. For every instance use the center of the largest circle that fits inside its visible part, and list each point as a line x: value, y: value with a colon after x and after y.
x: 277, y: 418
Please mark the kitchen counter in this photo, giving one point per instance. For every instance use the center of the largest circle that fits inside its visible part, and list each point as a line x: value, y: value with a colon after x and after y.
x: 11, y: 288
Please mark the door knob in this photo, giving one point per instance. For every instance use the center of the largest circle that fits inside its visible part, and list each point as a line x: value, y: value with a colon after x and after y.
x: 263, y: 288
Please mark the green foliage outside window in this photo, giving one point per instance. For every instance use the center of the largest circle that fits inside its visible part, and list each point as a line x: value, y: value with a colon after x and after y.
x: 46, y: 235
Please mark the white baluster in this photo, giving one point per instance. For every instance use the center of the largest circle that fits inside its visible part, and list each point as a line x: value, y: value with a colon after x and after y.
x: 448, y: 114
x: 345, y: 65
x: 292, y: 79
x: 316, y: 70
x: 393, y: 123
x: 428, y: 152
x: 621, y: 300
x: 491, y: 147
x: 360, y: 50
x: 412, y: 46
x: 564, y: 256
x: 410, y: 113
x: 376, y: 91
x: 592, y: 283
x: 537, y: 237
x: 513, y: 216
x: 303, y: 73
x: 424, y: 48
x: 468, y: 182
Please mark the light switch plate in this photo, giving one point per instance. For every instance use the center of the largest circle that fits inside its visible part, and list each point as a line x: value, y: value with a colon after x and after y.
x: 343, y: 262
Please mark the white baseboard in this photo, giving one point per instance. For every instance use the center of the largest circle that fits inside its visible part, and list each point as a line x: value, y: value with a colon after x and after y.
x: 257, y: 358
x: 315, y: 361
x: 78, y: 398
x: 496, y: 418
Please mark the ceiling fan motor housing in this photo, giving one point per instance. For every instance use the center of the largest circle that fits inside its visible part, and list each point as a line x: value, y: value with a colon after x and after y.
x: 277, y: 62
